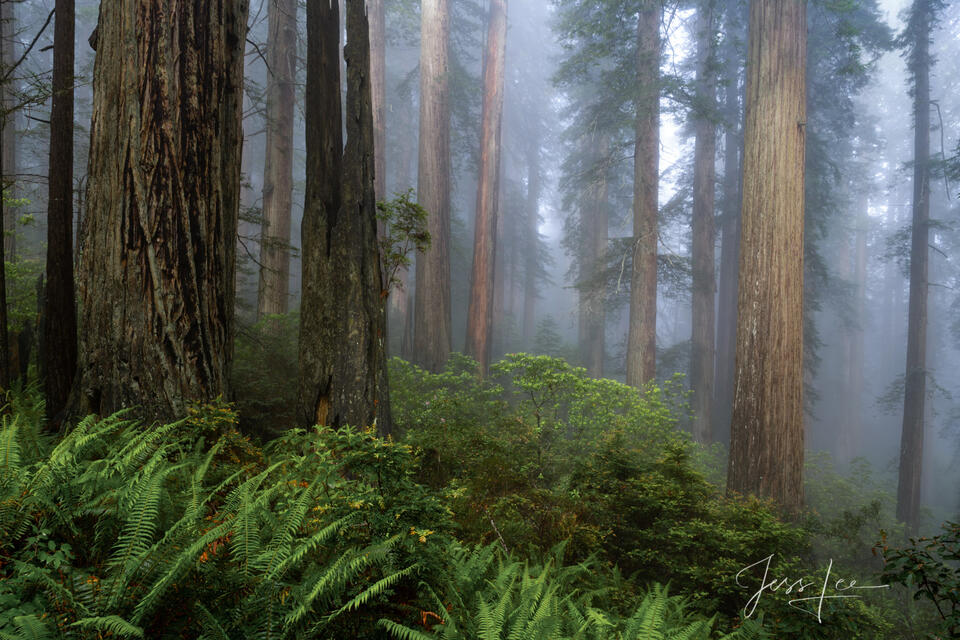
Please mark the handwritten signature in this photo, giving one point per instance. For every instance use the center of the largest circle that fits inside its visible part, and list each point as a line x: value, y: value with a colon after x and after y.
x: 798, y: 586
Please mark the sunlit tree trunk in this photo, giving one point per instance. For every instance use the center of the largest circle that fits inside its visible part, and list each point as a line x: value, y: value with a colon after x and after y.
x: 704, y: 173
x: 343, y: 313
x: 911, y: 442
x: 730, y: 245
x: 60, y: 317
x: 480, y: 311
x: 432, y: 338
x: 642, y: 333
x: 766, y: 444
x: 274, y: 285
x: 156, y: 274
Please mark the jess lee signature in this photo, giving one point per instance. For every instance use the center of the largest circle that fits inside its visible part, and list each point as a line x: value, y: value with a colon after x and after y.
x: 839, y: 586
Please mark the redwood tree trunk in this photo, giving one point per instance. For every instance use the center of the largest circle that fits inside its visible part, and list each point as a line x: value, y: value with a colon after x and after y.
x: 704, y: 172
x: 60, y: 317
x: 642, y: 334
x: 766, y: 445
x: 156, y: 275
x: 730, y: 249
x: 7, y: 31
x: 343, y: 314
x: 596, y: 226
x: 531, y: 262
x: 432, y: 308
x: 480, y: 311
x: 911, y: 442
x: 274, y: 285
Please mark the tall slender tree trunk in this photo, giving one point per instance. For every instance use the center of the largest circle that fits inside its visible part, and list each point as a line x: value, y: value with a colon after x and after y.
x: 60, y: 317
x: 7, y: 31
x: 274, y: 289
x: 853, y: 270
x: 911, y: 442
x: 596, y: 226
x: 432, y: 337
x: 343, y: 314
x: 531, y: 262
x: 157, y: 271
x: 480, y: 310
x: 766, y: 445
x: 704, y: 175
x: 642, y: 333
x: 402, y: 299
x: 730, y: 247
x: 378, y: 87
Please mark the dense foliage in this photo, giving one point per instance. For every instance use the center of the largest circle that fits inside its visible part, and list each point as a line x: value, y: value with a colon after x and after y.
x: 538, y: 503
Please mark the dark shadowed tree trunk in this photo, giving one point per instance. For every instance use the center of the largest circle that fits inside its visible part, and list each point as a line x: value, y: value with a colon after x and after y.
x: 60, y: 317
x: 273, y: 292
x: 911, y: 442
x: 343, y: 314
x: 432, y: 337
x: 7, y: 31
x: 642, y: 333
x: 766, y: 444
x: 704, y: 172
x: 7, y: 168
x: 531, y: 262
x: 729, y: 248
x: 480, y: 311
x: 156, y: 274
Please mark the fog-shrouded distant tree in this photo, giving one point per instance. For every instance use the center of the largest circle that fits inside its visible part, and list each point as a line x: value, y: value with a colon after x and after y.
x: 642, y: 332
x: 916, y: 39
x: 60, y: 315
x: 766, y: 444
x: 703, y: 341
x: 273, y: 294
x: 480, y: 312
x: 342, y: 359
x: 7, y: 104
x: 432, y: 331
x: 156, y: 274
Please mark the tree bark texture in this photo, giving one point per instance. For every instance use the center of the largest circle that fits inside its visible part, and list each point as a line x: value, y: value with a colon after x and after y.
x: 642, y: 332
x: 596, y: 227
x: 704, y: 177
x: 60, y: 317
x: 157, y: 271
x: 432, y: 337
x: 766, y: 446
x: 729, y: 250
x: 378, y: 85
x: 343, y: 314
x: 480, y: 310
x: 911, y: 441
x: 274, y: 287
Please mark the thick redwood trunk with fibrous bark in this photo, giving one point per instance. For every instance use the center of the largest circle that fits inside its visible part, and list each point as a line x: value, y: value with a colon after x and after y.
x: 911, y: 441
x: 704, y: 173
x: 766, y: 444
x: 157, y: 270
x: 273, y: 293
x: 343, y: 314
x: 642, y: 333
x: 432, y: 337
x: 60, y: 317
x: 480, y: 311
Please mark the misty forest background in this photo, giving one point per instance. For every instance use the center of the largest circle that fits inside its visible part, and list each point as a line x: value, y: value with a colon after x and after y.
x: 478, y: 318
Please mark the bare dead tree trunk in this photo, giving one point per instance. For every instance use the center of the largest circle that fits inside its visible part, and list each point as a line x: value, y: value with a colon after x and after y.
x: 642, y: 333
x: 480, y: 311
x: 274, y: 287
x: 911, y: 442
x: 343, y: 318
x: 60, y: 317
x: 156, y: 274
x: 704, y: 177
x: 432, y: 337
x: 766, y: 444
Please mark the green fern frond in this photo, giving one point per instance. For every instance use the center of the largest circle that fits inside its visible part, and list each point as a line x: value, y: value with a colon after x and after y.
x: 29, y: 628
x: 111, y: 624
x: 211, y: 626
x: 401, y: 632
x: 375, y: 590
